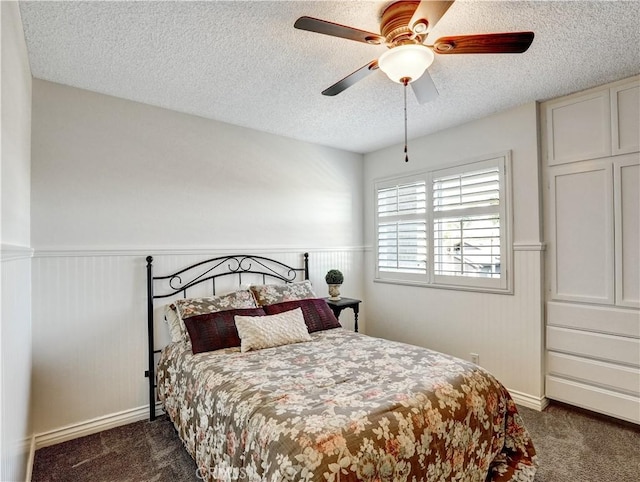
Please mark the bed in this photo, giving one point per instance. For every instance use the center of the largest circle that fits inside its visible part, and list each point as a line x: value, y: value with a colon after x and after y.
x: 325, y: 404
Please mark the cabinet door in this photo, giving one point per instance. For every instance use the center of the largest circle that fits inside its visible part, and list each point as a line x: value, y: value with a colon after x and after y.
x: 578, y: 128
x: 627, y: 229
x: 625, y: 118
x: 582, y: 232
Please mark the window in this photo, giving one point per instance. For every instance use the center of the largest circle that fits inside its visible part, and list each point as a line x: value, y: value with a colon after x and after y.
x: 447, y: 227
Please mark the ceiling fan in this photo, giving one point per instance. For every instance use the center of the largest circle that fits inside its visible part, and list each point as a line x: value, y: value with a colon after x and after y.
x: 404, y: 29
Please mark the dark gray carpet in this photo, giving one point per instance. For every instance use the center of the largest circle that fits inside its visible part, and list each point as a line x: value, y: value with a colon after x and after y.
x: 141, y: 451
x: 573, y: 446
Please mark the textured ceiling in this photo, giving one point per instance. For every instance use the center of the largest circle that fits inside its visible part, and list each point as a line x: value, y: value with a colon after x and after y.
x: 244, y: 63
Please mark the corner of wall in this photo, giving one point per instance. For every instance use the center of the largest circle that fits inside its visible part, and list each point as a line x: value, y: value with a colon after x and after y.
x: 15, y: 236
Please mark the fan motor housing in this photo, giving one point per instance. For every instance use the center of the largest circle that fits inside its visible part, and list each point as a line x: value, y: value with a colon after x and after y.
x: 394, y: 23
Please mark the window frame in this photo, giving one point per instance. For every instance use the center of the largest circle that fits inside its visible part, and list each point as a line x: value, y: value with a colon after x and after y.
x: 504, y: 283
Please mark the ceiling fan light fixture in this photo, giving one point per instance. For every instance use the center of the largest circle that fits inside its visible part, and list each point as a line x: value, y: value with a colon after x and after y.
x: 406, y: 62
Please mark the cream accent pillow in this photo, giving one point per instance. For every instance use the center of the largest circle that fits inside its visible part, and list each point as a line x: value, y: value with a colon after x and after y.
x: 171, y: 318
x: 258, y: 332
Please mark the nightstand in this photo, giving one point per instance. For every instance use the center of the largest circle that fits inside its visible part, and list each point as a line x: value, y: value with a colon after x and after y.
x: 341, y: 304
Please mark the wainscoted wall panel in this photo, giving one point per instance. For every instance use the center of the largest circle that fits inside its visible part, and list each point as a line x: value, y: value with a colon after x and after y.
x: 504, y: 330
x: 89, y: 319
x: 15, y: 363
x: 350, y: 263
x: 89, y: 337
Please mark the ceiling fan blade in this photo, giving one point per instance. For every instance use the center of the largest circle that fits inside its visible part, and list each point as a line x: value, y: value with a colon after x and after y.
x: 351, y: 79
x: 424, y: 89
x: 491, y: 43
x: 427, y: 15
x: 336, y: 30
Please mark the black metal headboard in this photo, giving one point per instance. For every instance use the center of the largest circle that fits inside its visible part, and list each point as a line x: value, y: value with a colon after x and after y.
x: 208, y: 271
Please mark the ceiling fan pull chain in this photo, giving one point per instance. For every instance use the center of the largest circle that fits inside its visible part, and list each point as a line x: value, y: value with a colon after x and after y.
x: 405, y: 81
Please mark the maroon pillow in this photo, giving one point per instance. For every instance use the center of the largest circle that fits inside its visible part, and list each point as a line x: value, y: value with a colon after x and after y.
x: 317, y: 314
x: 214, y: 331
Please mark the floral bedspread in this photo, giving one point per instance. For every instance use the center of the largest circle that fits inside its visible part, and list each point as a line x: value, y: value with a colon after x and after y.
x: 343, y: 407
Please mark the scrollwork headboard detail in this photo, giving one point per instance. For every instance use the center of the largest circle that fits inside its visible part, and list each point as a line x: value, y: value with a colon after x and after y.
x: 208, y: 271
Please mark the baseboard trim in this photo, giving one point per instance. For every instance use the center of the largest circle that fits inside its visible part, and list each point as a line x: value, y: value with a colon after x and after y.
x: 529, y: 401
x: 89, y: 427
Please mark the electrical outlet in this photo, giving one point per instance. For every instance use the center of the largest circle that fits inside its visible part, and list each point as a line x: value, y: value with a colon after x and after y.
x: 475, y: 358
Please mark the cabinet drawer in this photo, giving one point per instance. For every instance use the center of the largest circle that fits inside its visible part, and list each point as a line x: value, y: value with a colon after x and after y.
x: 602, y: 319
x: 610, y: 348
x: 604, y: 374
x: 617, y: 405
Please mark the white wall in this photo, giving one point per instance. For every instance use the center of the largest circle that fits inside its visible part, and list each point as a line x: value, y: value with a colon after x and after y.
x: 16, y: 129
x: 15, y: 265
x: 114, y: 173
x: 505, y: 330
x: 114, y: 180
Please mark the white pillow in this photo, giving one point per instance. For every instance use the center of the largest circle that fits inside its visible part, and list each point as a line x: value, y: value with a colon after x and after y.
x: 258, y: 332
x: 171, y: 317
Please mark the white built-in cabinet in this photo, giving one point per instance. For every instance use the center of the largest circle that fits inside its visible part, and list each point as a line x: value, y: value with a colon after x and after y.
x: 591, y: 168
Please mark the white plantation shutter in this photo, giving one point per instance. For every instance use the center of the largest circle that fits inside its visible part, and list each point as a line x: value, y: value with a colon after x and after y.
x: 467, y: 246
x: 446, y: 228
x: 402, y: 228
x: 466, y: 190
x: 466, y: 223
